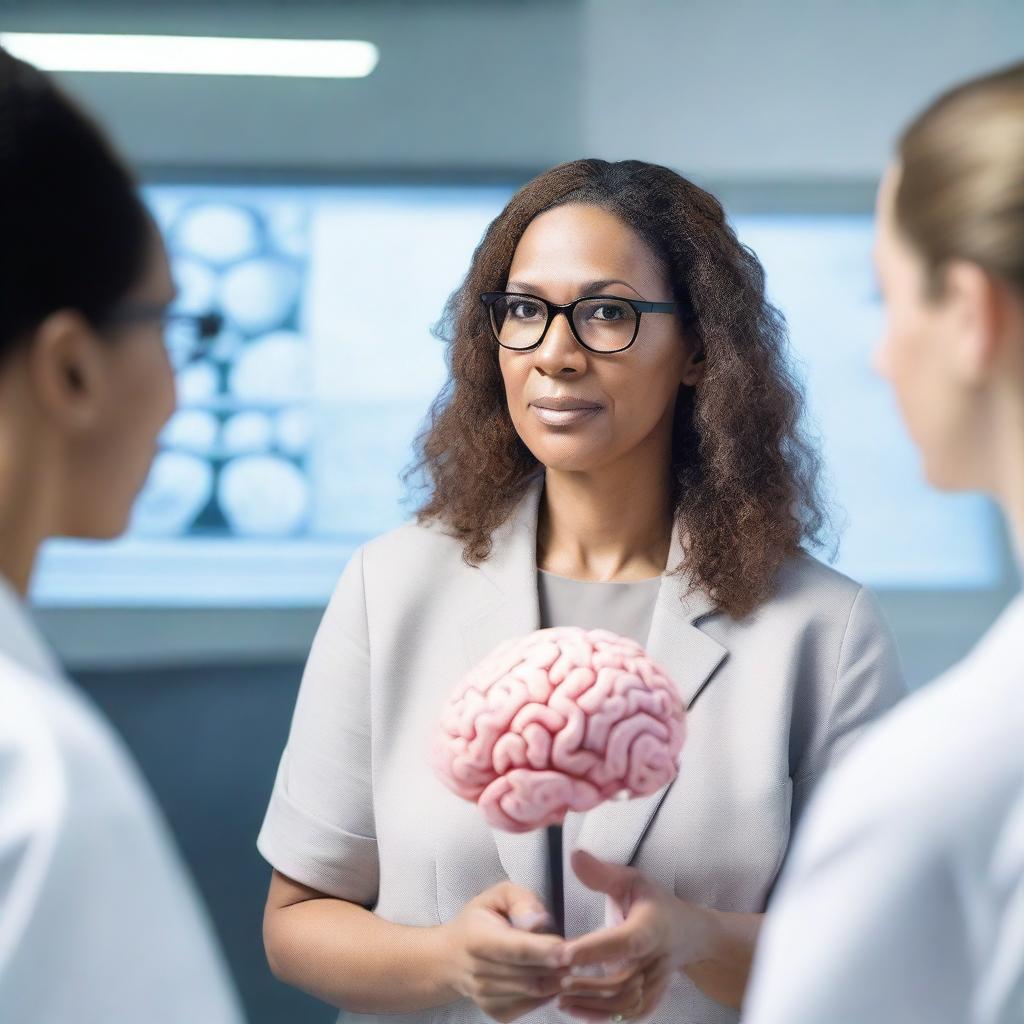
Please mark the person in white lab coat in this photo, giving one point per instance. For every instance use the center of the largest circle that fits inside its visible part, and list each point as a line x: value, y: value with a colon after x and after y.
x: 903, y: 901
x: 99, y: 920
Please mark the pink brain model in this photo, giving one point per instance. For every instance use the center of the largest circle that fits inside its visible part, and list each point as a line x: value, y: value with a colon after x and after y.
x: 560, y: 720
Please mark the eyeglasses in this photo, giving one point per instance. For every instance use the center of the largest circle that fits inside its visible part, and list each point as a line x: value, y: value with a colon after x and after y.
x: 187, y: 335
x: 600, y: 323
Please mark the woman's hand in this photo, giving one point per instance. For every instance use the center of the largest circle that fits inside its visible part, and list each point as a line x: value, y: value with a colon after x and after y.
x: 499, y: 957
x: 658, y: 934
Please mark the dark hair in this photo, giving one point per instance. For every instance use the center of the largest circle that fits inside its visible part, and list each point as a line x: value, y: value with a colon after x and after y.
x: 961, y: 187
x: 745, y: 480
x: 73, y: 230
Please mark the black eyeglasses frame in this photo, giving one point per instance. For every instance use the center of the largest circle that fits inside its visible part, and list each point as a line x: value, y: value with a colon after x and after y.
x: 207, y: 325
x: 553, y: 309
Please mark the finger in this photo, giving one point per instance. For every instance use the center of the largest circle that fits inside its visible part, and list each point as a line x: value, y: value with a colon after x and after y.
x: 498, y: 942
x: 522, y: 907
x: 532, y: 920
x: 656, y: 982
x: 618, y: 1003
x: 650, y: 1001
x: 625, y: 994
x: 629, y: 1004
x: 624, y: 942
x: 601, y: 875
x: 645, y: 994
x: 509, y: 1010
x: 522, y: 949
x: 585, y: 984
x: 533, y: 987
x: 490, y: 969
x: 591, y: 1016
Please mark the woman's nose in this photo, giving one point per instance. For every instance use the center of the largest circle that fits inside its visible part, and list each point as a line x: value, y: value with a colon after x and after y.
x: 559, y: 351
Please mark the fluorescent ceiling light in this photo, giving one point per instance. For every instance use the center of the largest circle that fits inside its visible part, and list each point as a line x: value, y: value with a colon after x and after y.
x: 194, y: 55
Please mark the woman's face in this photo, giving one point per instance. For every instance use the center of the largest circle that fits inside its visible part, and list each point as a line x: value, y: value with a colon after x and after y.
x: 922, y: 354
x: 626, y: 399
x: 135, y: 384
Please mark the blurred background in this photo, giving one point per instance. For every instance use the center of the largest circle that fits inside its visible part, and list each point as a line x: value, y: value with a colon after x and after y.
x: 328, y: 219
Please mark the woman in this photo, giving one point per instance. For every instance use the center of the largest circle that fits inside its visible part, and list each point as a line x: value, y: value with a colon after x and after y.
x: 617, y: 447
x: 98, y: 919
x: 905, y: 898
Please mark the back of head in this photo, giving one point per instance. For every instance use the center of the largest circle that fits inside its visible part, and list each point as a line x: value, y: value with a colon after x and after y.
x: 961, y: 190
x: 73, y: 231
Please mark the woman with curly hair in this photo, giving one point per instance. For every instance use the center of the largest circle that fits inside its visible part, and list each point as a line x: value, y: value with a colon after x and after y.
x: 618, y: 446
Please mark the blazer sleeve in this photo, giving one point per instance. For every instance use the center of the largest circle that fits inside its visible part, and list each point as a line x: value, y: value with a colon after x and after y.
x: 868, y: 682
x: 319, y: 827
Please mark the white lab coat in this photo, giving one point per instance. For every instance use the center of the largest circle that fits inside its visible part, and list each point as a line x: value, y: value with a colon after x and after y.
x: 903, y: 901
x: 99, y: 921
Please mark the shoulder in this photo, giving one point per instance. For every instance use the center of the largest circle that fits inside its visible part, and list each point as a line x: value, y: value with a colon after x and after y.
x: 805, y: 582
x: 411, y: 544
x: 811, y: 599
x: 948, y: 758
x: 33, y: 780
x: 966, y: 725
x: 414, y: 568
x: 410, y: 554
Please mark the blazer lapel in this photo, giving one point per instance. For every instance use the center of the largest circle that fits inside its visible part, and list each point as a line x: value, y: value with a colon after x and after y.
x: 510, y: 607
x: 614, y: 830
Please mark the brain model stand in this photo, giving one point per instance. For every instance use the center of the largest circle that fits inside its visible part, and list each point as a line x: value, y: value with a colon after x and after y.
x: 560, y: 720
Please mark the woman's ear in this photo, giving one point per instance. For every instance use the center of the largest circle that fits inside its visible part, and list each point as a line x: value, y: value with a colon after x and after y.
x: 973, y: 313
x: 693, y: 368
x: 66, y: 370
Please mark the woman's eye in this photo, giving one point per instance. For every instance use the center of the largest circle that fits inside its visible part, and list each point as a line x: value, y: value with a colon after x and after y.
x: 608, y: 312
x: 524, y: 310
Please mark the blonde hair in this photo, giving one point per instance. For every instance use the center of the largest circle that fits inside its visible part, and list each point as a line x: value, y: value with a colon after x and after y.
x: 961, y: 190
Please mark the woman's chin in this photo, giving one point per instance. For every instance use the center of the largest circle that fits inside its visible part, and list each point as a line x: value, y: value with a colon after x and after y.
x: 944, y: 477
x: 560, y: 462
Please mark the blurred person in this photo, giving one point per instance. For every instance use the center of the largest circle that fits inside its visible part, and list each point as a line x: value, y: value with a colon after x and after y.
x: 618, y: 446
x: 99, y: 920
x: 904, y: 898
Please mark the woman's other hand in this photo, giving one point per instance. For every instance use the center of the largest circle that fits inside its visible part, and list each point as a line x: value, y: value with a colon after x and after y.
x: 500, y: 956
x: 658, y: 934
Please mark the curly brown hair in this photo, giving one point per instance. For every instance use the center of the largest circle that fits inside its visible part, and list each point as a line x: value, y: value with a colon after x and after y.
x: 745, y: 477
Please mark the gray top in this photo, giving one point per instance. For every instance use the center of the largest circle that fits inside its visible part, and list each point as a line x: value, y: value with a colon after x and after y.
x: 624, y: 608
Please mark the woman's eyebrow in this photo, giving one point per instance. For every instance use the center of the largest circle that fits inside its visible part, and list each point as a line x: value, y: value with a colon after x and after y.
x: 596, y: 286
x: 585, y: 289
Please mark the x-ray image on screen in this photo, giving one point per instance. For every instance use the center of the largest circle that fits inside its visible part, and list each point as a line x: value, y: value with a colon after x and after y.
x: 233, y: 459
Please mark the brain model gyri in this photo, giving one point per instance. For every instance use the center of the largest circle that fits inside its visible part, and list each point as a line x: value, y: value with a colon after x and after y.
x: 560, y: 720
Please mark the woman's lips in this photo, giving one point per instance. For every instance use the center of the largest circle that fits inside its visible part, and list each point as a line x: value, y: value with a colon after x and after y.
x: 564, y: 417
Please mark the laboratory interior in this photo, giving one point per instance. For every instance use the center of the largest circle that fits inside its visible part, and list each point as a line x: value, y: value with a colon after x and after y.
x: 327, y: 216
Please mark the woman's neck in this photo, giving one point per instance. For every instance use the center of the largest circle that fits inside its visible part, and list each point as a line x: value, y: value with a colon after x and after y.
x: 1012, y: 500
x: 604, y: 527
x: 17, y: 560
x: 1006, y: 460
x: 24, y: 522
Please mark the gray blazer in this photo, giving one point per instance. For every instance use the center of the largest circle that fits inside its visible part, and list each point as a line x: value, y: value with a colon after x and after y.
x: 773, y: 702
